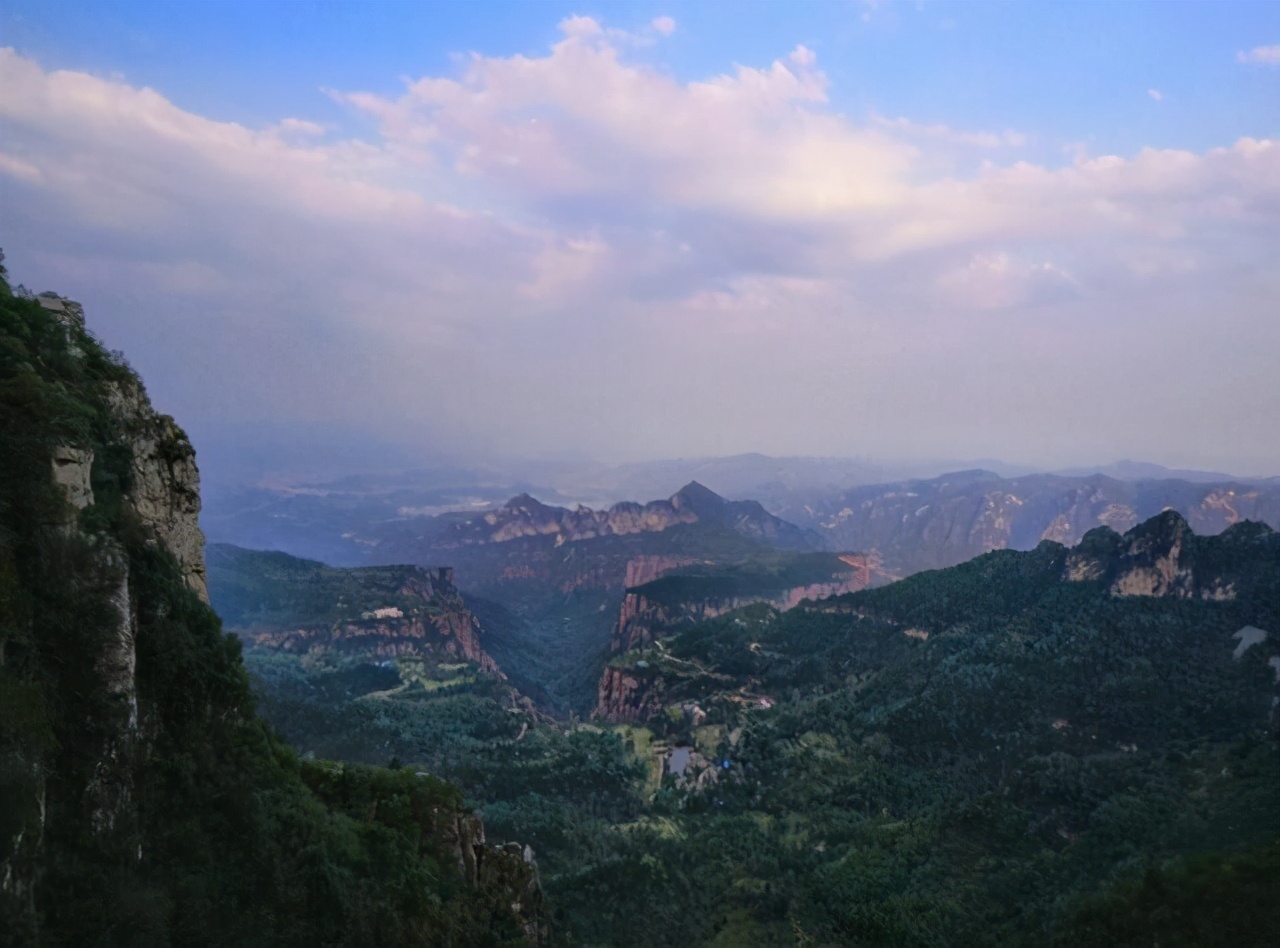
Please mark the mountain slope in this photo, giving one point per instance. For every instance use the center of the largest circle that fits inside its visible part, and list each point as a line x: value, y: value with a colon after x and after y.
x: 1046, y: 723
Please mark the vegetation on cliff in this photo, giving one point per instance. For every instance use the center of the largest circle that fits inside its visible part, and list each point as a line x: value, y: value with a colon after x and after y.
x: 144, y: 802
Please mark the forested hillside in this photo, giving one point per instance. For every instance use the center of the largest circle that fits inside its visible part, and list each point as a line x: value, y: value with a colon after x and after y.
x: 1063, y: 746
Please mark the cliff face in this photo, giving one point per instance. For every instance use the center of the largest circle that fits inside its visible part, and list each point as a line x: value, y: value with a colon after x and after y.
x: 628, y: 696
x: 164, y: 482
x: 158, y: 483
x: 649, y: 612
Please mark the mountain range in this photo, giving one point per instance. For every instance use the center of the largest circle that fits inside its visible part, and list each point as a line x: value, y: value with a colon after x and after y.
x: 909, y: 524
x: 927, y: 524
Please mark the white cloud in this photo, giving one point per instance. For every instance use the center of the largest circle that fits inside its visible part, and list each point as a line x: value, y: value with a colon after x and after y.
x: 297, y: 126
x: 664, y: 25
x: 1156, y: 94
x: 525, y: 245
x: 803, y: 57
x: 1261, y: 55
x: 944, y: 133
x: 580, y: 26
x: 999, y: 281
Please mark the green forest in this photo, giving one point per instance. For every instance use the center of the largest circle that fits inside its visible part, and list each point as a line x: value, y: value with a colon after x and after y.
x: 1038, y: 762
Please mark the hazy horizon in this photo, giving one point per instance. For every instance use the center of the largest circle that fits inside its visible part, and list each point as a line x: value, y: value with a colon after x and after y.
x: 356, y: 238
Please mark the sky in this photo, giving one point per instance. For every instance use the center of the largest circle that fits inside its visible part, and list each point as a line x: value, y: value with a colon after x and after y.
x: 385, y: 234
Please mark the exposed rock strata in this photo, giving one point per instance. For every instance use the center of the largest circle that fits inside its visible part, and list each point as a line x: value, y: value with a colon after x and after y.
x: 645, y: 569
x: 643, y: 618
x: 622, y: 696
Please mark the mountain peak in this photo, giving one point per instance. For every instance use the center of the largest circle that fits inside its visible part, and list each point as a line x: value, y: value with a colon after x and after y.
x: 525, y: 501
x: 694, y: 496
x: 1160, y: 557
x: 1163, y: 530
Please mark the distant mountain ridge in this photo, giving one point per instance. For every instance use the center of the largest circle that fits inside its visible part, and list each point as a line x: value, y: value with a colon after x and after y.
x: 1146, y: 471
x: 1162, y: 558
x: 525, y: 516
x: 930, y: 524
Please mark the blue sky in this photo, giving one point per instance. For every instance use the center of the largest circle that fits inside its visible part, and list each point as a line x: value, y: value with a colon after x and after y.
x: 639, y: 230
x: 1065, y: 72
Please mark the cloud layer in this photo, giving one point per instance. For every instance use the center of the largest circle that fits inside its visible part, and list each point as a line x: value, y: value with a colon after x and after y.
x: 576, y: 252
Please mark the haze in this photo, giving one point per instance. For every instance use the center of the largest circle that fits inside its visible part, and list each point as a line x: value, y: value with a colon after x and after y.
x: 632, y: 231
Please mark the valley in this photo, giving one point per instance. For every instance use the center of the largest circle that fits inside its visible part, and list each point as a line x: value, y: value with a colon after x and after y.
x: 813, y: 719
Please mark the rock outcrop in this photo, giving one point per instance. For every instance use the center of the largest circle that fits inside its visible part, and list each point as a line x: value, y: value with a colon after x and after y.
x: 164, y: 487
x: 628, y: 695
x: 645, y: 569
x: 508, y: 871
x: 1163, y: 557
x: 73, y: 473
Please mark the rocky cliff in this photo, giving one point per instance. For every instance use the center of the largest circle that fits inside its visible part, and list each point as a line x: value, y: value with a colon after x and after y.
x: 163, y: 482
x: 628, y: 695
